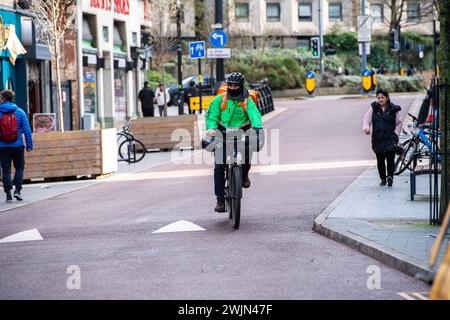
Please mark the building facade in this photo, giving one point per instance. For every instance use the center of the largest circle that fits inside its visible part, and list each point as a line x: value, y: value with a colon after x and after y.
x: 27, y: 74
x: 110, y: 65
x: 291, y: 23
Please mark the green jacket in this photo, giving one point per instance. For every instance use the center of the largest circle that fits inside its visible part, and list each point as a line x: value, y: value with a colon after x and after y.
x: 214, y: 116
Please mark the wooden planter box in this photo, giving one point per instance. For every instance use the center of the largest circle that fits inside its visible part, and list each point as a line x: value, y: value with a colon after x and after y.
x: 174, y: 132
x: 72, y: 153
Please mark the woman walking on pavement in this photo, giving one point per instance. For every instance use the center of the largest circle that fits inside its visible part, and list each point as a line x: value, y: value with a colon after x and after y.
x: 384, y: 122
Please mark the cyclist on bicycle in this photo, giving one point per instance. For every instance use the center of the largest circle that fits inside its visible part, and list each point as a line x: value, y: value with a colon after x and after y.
x: 238, y: 111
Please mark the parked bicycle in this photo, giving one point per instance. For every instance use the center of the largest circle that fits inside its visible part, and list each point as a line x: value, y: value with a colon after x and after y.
x: 130, y: 149
x: 423, y: 144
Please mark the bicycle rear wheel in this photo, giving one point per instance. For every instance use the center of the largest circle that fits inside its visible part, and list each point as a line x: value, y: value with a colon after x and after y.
x: 404, y: 160
x: 236, y: 194
x: 132, y: 151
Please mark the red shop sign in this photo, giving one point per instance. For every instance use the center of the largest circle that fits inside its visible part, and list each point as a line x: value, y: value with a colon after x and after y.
x: 120, y: 6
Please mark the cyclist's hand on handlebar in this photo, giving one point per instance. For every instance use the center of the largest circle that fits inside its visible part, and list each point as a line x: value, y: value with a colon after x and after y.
x: 210, y: 132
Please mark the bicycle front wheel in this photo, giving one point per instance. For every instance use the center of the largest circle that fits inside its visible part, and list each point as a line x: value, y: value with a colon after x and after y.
x: 236, y: 194
x: 132, y: 151
x: 404, y: 160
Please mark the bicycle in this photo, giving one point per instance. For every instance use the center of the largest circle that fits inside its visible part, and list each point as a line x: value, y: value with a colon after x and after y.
x: 130, y: 149
x: 423, y: 143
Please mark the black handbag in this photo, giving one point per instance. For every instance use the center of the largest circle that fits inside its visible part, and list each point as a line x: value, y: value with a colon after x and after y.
x: 398, y: 148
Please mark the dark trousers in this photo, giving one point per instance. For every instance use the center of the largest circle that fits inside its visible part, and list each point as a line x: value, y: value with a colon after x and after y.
x: 383, y: 159
x: 219, y: 172
x: 16, y: 155
x: 149, y: 111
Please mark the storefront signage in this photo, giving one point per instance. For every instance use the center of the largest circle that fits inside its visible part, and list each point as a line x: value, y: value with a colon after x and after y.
x: 119, y: 6
x: 44, y: 122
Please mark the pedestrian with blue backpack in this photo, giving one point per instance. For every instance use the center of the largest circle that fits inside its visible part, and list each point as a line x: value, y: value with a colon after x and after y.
x: 13, y: 123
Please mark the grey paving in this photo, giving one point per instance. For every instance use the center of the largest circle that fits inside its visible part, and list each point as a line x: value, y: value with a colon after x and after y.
x: 383, y: 221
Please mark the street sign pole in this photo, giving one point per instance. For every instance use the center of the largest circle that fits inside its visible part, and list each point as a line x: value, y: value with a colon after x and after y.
x: 220, y: 70
x: 200, y: 84
x: 363, y: 56
x: 321, y: 37
x: 179, y: 56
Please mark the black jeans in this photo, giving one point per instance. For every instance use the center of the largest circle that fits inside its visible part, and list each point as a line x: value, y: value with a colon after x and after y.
x: 382, y: 159
x: 16, y: 155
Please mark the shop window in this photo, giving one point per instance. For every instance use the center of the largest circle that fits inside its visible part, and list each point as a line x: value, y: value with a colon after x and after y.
x: 118, y: 39
x: 88, y: 31
x: 105, y: 34
x: 90, y: 89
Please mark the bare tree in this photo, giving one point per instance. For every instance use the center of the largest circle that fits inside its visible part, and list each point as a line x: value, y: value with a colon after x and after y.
x: 398, y: 12
x: 54, y: 18
x: 162, y: 36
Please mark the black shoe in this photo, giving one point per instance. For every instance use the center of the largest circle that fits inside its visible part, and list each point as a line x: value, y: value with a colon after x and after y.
x: 390, y: 181
x: 220, y: 207
x: 245, y: 182
x: 8, y: 197
x: 383, y: 183
x: 18, y: 195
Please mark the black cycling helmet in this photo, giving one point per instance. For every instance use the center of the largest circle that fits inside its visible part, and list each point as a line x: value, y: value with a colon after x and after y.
x: 236, y: 77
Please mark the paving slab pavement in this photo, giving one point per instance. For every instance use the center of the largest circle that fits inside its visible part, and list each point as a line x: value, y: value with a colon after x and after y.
x: 383, y: 222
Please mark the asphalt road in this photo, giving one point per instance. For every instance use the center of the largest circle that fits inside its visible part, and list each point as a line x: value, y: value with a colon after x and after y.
x: 105, y: 231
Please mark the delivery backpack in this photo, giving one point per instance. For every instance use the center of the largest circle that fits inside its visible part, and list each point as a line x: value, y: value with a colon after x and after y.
x: 223, y: 90
x: 8, y: 127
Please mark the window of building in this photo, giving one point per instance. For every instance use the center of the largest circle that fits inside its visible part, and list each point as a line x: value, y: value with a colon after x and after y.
x: 241, y: 12
x: 413, y: 12
x: 305, y: 11
x: 303, y: 43
x: 335, y: 11
x: 88, y: 31
x: 273, y: 12
x: 105, y: 34
x: 376, y: 11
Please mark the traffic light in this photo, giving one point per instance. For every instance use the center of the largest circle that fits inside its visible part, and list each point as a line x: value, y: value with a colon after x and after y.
x: 393, y: 40
x: 315, y: 47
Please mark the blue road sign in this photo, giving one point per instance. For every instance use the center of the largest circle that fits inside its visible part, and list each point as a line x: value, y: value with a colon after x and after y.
x: 218, y: 38
x: 310, y: 75
x: 366, y: 73
x: 197, y: 50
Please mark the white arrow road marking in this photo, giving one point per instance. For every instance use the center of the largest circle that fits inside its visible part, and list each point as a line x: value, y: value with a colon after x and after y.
x: 28, y: 235
x: 179, y: 226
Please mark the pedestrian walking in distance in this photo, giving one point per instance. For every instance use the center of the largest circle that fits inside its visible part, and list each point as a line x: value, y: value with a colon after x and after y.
x: 13, y: 123
x: 384, y: 122
x: 146, y: 95
x: 162, y: 98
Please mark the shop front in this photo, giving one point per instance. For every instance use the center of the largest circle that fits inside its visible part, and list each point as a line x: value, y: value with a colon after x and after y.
x: 109, y: 30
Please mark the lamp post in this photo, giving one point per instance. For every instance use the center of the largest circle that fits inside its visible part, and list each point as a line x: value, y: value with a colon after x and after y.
x: 179, y: 53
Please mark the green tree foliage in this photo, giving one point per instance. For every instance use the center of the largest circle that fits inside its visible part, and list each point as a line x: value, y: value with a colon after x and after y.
x: 342, y: 41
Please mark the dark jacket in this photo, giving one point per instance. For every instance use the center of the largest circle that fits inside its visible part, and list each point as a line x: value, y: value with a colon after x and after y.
x: 146, y: 95
x: 384, y: 137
